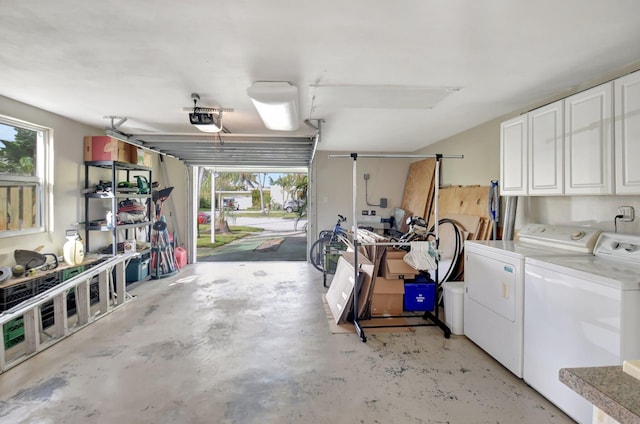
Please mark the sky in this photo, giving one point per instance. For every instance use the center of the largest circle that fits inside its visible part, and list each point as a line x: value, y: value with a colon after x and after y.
x: 7, y: 132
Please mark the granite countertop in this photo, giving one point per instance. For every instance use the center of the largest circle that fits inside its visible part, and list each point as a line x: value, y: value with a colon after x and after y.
x: 608, y: 388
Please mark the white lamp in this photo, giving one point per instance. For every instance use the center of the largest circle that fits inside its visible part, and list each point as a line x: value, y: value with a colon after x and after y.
x: 277, y: 104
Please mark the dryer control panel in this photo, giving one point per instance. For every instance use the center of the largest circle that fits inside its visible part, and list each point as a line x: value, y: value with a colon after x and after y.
x: 575, y: 238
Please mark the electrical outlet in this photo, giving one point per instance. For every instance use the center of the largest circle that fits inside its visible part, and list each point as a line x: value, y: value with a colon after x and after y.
x: 365, y: 212
x: 383, y: 202
x: 627, y: 212
x: 372, y: 212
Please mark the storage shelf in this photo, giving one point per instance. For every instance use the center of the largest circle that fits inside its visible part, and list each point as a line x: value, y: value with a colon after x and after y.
x: 108, y: 164
x: 118, y: 195
x: 119, y: 171
x: 118, y: 227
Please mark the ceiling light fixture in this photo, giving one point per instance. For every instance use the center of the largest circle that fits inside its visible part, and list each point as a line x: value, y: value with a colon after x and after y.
x: 277, y: 104
x: 205, y: 122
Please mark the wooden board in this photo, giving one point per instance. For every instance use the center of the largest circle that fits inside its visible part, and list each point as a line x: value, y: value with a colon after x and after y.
x: 418, y: 189
x: 470, y: 223
x: 463, y: 200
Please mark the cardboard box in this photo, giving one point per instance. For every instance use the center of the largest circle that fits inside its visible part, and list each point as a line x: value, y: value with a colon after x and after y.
x: 140, y: 156
x: 394, y: 267
x: 101, y: 147
x: 388, y: 297
x: 128, y: 153
x: 419, y: 296
x: 105, y: 148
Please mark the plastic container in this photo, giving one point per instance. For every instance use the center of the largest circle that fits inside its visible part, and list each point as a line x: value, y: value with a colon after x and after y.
x: 181, y: 256
x: 419, y: 296
x: 137, y: 269
x: 454, y: 306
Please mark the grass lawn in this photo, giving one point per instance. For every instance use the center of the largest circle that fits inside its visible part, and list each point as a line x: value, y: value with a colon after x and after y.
x: 221, y: 239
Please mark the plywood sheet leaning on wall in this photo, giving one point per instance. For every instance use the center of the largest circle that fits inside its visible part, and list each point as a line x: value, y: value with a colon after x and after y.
x: 465, y: 200
x: 418, y: 189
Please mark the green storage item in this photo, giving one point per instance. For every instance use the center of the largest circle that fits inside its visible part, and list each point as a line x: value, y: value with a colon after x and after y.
x: 13, y: 332
x: 72, y: 272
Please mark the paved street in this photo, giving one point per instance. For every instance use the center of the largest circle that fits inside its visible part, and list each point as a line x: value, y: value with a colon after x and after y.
x: 278, y: 242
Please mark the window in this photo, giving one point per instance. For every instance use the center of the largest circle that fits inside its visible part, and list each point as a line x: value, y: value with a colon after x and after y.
x: 23, y: 177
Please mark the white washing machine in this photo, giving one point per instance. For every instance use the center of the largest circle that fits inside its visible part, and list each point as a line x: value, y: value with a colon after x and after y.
x: 581, y: 312
x: 494, y: 285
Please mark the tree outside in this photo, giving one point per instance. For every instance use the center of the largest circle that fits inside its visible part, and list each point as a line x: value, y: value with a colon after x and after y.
x: 17, y: 157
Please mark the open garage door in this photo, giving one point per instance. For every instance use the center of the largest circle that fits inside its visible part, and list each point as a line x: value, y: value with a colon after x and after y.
x: 230, y: 150
x: 251, y: 214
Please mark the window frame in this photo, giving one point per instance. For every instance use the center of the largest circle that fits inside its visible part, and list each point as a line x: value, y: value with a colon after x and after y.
x: 42, y: 181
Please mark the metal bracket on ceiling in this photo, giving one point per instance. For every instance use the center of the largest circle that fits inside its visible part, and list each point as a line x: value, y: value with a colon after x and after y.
x: 316, y: 139
x: 196, y: 98
x: 116, y: 125
x: 317, y: 127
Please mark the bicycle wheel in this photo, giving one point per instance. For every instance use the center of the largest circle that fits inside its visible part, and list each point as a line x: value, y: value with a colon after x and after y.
x: 317, y: 253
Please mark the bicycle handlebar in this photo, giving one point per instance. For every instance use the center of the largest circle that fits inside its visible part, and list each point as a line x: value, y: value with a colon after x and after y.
x: 341, y: 218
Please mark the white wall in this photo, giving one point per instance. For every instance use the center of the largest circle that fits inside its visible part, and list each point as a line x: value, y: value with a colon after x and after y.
x: 480, y: 147
x: 332, y: 182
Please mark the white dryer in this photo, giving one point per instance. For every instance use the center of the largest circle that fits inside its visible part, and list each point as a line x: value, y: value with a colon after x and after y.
x: 494, y: 285
x: 581, y: 312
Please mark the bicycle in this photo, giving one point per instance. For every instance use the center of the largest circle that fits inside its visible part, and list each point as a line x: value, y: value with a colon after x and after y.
x: 417, y: 232
x: 323, y: 252
x: 301, y: 217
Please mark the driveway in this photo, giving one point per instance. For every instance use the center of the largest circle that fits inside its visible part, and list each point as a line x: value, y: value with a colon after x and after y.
x: 278, y: 242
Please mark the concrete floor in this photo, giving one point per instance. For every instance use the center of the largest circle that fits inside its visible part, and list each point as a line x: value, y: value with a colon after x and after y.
x: 250, y: 343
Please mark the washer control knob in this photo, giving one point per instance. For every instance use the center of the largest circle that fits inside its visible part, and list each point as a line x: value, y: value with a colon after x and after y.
x: 577, y: 235
x: 615, y: 245
x: 631, y: 248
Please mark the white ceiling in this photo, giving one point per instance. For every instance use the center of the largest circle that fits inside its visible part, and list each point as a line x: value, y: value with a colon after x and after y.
x: 368, y: 68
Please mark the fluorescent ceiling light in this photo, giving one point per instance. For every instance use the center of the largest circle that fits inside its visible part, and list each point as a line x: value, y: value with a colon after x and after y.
x: 277, y: 104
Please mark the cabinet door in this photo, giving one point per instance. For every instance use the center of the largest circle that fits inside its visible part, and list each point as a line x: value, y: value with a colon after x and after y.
x: 546, y: 150
x: 627, y: 134
x: 513, y: 156
x: 588, y: 141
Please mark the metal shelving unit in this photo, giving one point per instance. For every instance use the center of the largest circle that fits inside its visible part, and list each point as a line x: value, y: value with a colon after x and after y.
x: 117, y: 169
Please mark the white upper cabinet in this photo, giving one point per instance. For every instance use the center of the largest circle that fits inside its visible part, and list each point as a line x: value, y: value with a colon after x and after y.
x: 627, y: 134
x: 588, y: 141
x: 546, y: 150
x: 513, y: 156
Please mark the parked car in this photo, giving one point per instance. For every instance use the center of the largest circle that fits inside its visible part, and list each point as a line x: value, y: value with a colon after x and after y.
x: 292, y: 205
x: 230, y: 203
x: 204, y: 218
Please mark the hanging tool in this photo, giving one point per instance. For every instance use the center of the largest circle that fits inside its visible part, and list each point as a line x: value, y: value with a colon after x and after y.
x: 494, y: 207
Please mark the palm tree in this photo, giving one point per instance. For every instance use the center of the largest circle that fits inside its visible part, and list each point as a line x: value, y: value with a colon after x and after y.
x: 301, y: 187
